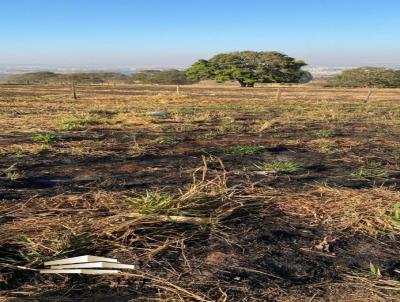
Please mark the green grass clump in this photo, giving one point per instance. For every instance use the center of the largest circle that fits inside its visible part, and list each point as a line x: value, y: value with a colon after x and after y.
x: 45, y: 138
x: 396, y: 214
x: 164, y: 140
x: 152, y: 202
x: 242, y: 150
x: 78, y: 123
x: 17, y: 151
x: 32, y: 252
x: 363, y: 173
x: 279, y: 166
x: 374, y: 270
x: 325, y: 133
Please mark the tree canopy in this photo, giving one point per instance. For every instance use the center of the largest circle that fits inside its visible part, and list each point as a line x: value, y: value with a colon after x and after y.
x: 250, y: 67
x: 367, y: 77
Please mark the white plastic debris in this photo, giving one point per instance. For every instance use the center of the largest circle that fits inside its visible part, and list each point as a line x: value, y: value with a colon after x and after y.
x: 160, y: 114
x: 80, y: 271
x: 85, y: 265
x: 80, y: 259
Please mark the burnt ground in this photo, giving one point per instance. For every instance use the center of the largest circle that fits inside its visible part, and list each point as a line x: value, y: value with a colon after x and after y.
x: 69, y: 171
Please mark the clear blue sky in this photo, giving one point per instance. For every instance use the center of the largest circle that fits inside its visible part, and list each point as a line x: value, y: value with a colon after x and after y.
x: 176, y: 32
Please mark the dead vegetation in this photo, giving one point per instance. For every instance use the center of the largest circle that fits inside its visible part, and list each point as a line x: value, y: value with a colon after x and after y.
x: 230, y: 196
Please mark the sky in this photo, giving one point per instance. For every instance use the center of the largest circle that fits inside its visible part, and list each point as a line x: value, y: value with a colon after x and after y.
x: 175, y: 33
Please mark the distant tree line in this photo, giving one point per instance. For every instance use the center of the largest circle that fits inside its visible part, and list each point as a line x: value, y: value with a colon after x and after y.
x: 367, y: 77
x: 44, y: 77
x: 172, y: 76
x: 245, y: 67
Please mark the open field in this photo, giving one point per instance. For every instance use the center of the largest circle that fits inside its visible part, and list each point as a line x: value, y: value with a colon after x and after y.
x: 233, y: 195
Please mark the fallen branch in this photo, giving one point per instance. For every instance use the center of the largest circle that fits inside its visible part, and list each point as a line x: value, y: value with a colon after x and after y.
x: 18, y: 267
x: 174, y: 218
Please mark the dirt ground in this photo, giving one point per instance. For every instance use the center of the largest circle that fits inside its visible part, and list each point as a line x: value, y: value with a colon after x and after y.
x: 220, y: 193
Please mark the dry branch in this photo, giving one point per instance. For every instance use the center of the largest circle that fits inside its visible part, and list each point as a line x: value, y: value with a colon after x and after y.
x: 174, y: 218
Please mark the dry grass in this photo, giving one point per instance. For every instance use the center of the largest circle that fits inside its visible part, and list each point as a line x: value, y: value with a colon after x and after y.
x: 366, y: 210
x: 105, y: 186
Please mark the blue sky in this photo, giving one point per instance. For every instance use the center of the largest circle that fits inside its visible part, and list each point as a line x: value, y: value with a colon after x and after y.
x: 129, y: 33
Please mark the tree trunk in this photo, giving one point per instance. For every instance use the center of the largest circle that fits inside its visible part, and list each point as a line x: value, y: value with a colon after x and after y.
x: 242, y: 84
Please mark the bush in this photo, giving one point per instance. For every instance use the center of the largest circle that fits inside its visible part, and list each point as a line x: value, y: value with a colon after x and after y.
x: 367, y: 77
x: 166, y: 77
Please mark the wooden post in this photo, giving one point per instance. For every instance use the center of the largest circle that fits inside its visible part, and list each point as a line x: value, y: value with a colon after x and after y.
x: 73, y: 91
x: 278, y: 95
x: 177, y: 89
x: 368, y: 95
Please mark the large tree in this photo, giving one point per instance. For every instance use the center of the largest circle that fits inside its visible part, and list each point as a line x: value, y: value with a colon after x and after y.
x: 250, y: 67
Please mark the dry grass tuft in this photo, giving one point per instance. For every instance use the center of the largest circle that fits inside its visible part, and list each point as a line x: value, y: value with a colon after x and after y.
x: 364, y: 210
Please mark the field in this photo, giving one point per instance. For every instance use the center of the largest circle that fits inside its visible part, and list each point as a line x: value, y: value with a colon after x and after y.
x: 286, y: 193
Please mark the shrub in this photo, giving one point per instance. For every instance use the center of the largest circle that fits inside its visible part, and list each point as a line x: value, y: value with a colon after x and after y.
x: 167, y: 77
x: 367, y: 77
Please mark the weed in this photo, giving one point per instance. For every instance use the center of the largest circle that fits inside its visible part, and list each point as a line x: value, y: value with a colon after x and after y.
x: 136, y: 149
x: 152, y: 202
x: 78, y: 123
x: 102, y: 112
x: 164, y: 140
x: 80, y: 150
x: 325, y: 146
x: 45, y: 138
x: 374, y: 270
x: 33, y: 253
x: 241, y: 150
x: 231, y: 127
x: 396, y: 214
x: 12, y: 175
x: 17, y: 151
x: 362, y: 173
x: 43, y: 148
x: 324, y: 133
x: 397, y: 211
x: 279, y: 166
